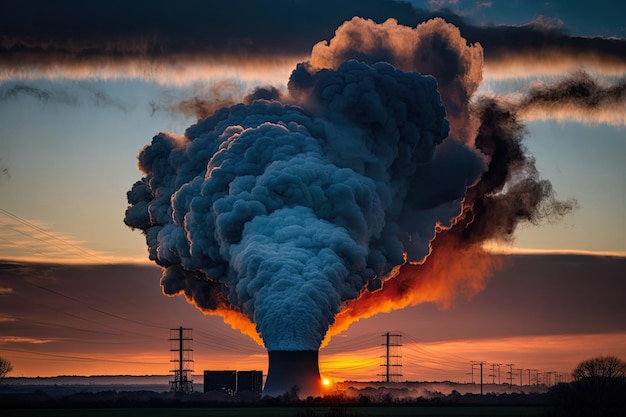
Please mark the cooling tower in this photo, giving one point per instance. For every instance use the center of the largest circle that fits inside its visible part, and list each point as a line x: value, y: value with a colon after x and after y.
x: 288, y: 369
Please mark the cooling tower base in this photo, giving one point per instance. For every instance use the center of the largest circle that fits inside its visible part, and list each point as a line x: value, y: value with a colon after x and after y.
x: 289, y: 369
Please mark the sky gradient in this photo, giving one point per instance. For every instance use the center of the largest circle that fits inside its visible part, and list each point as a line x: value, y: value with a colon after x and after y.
x: 79, y: 100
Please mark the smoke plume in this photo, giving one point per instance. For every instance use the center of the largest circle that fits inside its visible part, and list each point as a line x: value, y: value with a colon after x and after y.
x: 285, y: 212
x: 95, y: 96
x: 576, y: 97
x: 301, y: 213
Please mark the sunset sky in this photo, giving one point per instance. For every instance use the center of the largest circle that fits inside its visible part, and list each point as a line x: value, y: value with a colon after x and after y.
x: 78, y: 294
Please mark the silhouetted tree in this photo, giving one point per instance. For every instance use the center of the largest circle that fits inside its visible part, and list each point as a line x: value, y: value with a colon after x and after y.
x: 600, y: 367
x: 5, y: 368
x: 598, y: 389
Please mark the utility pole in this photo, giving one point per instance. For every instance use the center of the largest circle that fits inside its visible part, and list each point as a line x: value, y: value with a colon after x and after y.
x: 536, y: 376
x: 393, y: 359
x: 520, y: 377
x: 471, y: 373
x: 481, y: 378
x: 493, y: 372
x: 510, y: 373
x: 480, y: 363
x: 182, y: 360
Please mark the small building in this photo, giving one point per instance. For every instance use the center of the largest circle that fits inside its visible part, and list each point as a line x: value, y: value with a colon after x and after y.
x: 251, y: 381
x: 232, y: 382
x: 225, y: 381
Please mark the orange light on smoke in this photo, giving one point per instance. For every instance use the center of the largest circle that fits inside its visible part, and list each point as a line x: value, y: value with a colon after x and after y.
x: 452, y: 268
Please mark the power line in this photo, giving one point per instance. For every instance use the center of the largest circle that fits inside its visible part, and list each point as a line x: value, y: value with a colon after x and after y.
x: 480, y: 364
x: 68, y: 246
x: 94, y: 308
x: 78, y: 358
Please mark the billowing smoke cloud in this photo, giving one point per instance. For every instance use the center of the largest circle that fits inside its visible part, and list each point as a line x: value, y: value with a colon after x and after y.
x: 509, y: 192
x: 433, y: 47
x: 285, y: 212
x: 345, y: 198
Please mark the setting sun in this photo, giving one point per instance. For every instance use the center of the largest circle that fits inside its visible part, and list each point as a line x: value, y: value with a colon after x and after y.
x: 326, y: 382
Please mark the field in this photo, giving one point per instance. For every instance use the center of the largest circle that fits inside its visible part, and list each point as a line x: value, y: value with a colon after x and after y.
x: 447, y: 411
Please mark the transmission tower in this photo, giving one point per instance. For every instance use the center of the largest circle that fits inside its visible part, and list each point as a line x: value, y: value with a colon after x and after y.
x: 474, y: 363
x: 498, y: 365
x: 493, y: 372
x: 181, y: 361
x: 510, y: 373
x: 536, y: 371
x: 392, y: 365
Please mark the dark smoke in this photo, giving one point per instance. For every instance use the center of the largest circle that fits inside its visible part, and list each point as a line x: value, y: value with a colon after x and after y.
x: 204, y: 101
x: 40, y: 94
x: 434, y: 47
x: 284, y: 212
x: 577, y: 96
x: 510, y: 191
x: 58, y: 95
x: 346, y: 196
x: 5, y: 174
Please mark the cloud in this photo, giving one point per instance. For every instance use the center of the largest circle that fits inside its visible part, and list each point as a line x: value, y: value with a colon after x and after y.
x: 41, y: 41
x: 5, y: 340
x: 6, y: 291
x: 534, y: 50
x: 24, y: 240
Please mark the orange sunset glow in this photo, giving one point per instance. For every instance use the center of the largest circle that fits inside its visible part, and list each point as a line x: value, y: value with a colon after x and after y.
x: 372, y: 192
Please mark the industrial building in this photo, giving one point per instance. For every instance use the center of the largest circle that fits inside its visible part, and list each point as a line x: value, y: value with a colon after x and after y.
x: 232, y: 382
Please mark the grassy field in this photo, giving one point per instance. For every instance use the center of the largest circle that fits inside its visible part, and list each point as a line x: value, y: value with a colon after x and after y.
x: 465, y: 411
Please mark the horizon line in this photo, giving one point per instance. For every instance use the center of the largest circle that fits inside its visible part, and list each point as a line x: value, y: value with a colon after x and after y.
x: 132, y: 261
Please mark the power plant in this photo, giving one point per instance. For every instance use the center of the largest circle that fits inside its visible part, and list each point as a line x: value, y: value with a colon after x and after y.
x: 343, y: 194
x: 289, y: 371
